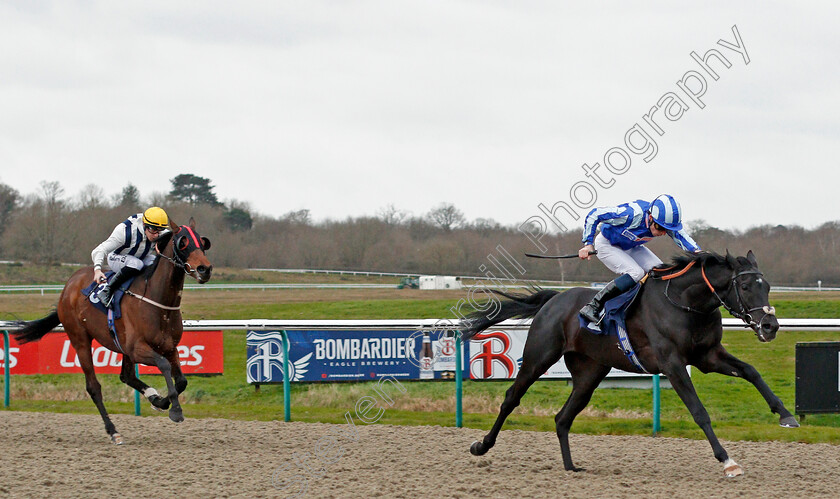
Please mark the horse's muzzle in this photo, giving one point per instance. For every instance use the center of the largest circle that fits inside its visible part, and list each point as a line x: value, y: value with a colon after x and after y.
x: 767, y: 328
x: 203, y: 273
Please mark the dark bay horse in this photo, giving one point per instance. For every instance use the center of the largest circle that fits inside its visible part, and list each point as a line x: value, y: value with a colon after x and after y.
x: 674, y: 322
x: 150, y: 327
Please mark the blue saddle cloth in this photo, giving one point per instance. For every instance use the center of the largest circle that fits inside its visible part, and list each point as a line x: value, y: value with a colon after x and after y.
x: 615, y: 311
x: 118, y: 294
x: 613, y: 323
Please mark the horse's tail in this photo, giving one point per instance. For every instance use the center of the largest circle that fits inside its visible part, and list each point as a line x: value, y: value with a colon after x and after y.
x: 35, y: 330
x: 521, y: 305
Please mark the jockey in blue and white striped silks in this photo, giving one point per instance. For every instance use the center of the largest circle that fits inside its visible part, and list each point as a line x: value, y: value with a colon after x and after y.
x: 628, y: 226
x: 624, y: 230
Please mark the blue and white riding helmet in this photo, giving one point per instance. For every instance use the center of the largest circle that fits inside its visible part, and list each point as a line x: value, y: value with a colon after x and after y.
x: 666, y: 212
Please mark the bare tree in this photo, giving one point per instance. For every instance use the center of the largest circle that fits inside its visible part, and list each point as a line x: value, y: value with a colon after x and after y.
x: 420, y: 229
x: 441, y: 255
x: 299, y: 217
x: 391, y: 215
x: 91, y: 196
x: 45, y: 227
x: 54, y: 210
x: 9, y: 201
x: 446, y: 216
x: 158, y: 199
x: 42, y: 231
x: 485, y: 226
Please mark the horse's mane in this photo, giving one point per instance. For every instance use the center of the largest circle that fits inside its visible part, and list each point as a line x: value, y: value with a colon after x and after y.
x: 682, y: 261
x: 149, y: 271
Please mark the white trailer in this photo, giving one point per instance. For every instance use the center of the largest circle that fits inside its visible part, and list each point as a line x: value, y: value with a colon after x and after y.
x: 439, y: 282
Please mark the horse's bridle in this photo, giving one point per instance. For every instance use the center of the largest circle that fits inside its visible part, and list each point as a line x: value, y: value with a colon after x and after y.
x: 179, y: 261
x: 743, y: 313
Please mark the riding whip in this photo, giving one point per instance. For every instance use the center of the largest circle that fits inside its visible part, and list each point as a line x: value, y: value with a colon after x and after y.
x: 557, y: 257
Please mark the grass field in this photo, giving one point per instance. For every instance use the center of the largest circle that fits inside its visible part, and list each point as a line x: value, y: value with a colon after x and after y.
x: 737, y: 410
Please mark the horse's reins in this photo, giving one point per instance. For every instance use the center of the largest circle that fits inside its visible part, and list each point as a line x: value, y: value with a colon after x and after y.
x: 743, y: 314
x: 177, y: 262
x: 152, y: 302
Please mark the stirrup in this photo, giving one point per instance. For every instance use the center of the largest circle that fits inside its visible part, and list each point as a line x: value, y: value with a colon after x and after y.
x: 106, y: 301
x: 597, y: 316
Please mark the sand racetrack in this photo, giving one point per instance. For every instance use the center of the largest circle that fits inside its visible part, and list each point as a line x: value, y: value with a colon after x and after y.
x: 67, y: 455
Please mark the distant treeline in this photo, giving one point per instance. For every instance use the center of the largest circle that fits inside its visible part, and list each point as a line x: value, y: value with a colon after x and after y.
x: 49, y: 227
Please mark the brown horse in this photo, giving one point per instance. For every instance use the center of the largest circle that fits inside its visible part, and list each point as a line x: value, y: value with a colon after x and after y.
x: 150, y: 327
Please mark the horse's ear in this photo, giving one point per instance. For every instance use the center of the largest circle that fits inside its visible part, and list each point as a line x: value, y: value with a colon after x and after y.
x: 751, y: 259
x: 731, y: 260
x: 205, y: 243
x: 192, y: 223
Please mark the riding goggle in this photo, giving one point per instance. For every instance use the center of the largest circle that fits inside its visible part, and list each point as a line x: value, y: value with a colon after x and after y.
x: 153, y: 229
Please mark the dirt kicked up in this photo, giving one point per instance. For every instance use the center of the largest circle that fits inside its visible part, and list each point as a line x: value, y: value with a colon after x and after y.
x: 66, y: 455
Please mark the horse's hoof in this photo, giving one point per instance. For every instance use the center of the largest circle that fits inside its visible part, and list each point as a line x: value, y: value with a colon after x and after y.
x: 158, y: 409
x: 477, y: 449
x: 789, y: 422
x: 732, y: 469
x: 176, y: 416
x: 117, y: 439
x: 159, y: 403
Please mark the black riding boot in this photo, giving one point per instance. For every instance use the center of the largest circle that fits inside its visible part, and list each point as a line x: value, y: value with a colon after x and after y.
x: 614, y: 288
x: 106, y: 294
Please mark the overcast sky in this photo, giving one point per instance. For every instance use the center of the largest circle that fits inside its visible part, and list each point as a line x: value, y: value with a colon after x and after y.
x: 345, y: 107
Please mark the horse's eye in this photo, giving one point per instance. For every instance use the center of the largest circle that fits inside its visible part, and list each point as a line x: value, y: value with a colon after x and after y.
x: 745, y: 287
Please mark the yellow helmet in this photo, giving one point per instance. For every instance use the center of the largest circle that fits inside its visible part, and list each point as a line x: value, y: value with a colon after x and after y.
x: 156, y: 217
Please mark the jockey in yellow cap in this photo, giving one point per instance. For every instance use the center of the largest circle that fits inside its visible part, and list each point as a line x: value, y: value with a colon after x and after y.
x: 128, y: 249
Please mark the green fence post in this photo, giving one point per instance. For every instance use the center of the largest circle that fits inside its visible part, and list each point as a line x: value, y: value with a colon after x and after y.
x: 6, y: 369
x: 656, y: 408
x: 136, y: 393
x: 459, y: 416
x: 287, y: 386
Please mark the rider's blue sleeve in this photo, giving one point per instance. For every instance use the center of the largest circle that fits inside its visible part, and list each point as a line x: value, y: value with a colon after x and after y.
x: 684, y: 241
x: 613, y: 215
